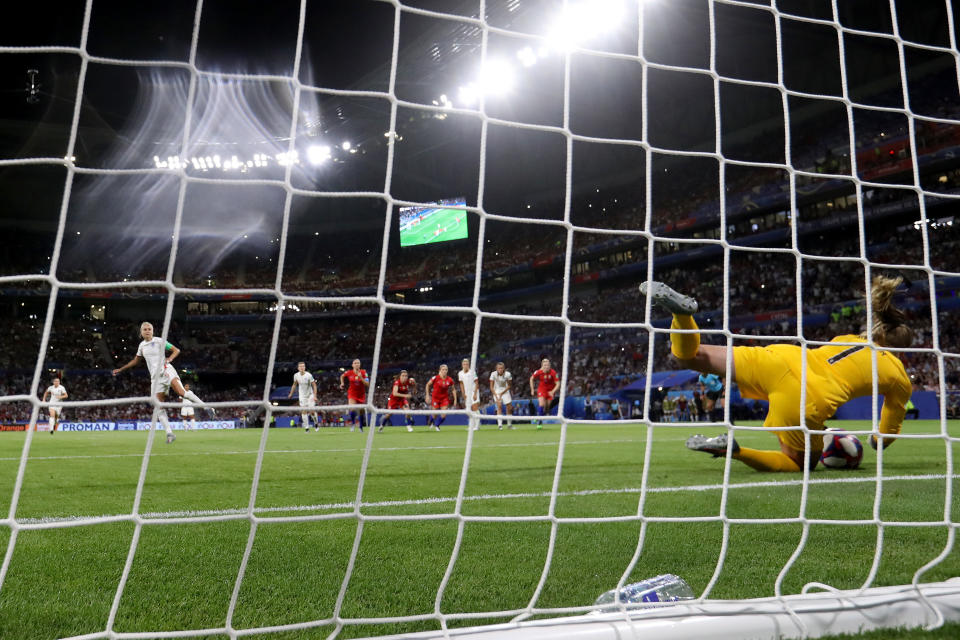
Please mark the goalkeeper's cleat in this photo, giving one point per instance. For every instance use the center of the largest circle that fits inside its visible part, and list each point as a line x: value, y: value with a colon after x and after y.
x: 409, y: 428
x: 171, y: 438
x: 716, y: 446
x: 674, y: 302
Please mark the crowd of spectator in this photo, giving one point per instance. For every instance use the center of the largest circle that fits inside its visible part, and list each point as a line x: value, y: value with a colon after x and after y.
x: 601, y: 358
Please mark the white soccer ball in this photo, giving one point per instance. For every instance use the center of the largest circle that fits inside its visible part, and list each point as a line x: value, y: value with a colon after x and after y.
x: 841, y: 450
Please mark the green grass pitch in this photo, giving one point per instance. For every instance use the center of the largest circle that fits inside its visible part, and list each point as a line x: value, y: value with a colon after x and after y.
x: 425, y: 232
x: 62, y: 581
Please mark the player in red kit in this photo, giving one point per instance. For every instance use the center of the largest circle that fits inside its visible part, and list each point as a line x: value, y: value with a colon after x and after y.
x: 400, y: 395
x: 438, y: 390
x: 357, y: 382
x: 547, y: 384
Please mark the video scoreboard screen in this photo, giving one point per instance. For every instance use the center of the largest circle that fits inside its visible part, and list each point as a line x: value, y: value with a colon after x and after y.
x: 435, y: 222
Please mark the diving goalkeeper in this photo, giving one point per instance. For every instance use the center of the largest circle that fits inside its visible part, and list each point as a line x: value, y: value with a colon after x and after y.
x: 834, y: 375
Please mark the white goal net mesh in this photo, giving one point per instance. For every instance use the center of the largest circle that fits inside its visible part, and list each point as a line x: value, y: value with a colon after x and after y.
x: 768, y: 158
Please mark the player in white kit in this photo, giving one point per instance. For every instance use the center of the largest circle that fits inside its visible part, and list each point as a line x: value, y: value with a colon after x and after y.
x: 501, y: 382
x: 57, y: 393
x: 153, y: 351
x: 187, y: 413
x: 307, y: 386
x: 470, y: 390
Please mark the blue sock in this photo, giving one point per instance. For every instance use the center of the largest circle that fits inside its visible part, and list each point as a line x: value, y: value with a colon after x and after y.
x: 440, y: 420
x: 539, y: 410
x: 353, y: 416
x: 409, y: 421
x: 363, y: 419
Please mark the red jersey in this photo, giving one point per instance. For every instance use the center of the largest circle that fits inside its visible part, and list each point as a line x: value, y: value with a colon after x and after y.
x: 356, y: 390
x: 547, y: 381
x: 440, y: 391
x: 396, y: 402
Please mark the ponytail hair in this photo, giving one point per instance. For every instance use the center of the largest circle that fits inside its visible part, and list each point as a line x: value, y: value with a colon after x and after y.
x: 889, y: 324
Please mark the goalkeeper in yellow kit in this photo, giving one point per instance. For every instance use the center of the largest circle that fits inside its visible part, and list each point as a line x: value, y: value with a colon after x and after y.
x: 835, y: 374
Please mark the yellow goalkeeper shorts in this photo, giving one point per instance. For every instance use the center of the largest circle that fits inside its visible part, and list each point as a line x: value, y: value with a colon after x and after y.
x: 768, y: 373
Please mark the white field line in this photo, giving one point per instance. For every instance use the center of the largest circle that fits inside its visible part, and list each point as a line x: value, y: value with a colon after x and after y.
x: 343, y: 450
x: 334, y: 506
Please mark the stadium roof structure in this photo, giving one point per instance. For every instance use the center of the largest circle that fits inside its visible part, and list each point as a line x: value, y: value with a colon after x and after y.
x: 348, y: 47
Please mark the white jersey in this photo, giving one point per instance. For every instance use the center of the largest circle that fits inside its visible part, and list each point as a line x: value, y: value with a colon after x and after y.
x: 162, y: 373
x: 154, y: 353
x: 187, y: 409
x: 56, y: 393
x: 469, y: 381
x: 500, y: 382
x: 304, y: 382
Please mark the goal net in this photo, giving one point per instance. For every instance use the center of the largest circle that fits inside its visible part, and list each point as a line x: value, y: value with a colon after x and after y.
x: 415, y: 183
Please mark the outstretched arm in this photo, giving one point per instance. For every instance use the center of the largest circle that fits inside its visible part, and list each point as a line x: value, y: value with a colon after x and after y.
x: 895, y: 399
x: 136, y: 360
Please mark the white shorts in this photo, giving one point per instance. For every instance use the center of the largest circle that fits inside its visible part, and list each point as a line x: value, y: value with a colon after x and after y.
x: 187, y: 412
x: 162, y: 383
x: 55, y: 410
x: 505, y: 398
x: 309, y: 402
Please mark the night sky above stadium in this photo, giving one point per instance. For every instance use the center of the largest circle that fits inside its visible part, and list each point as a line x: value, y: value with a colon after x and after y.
x: 133, y: 115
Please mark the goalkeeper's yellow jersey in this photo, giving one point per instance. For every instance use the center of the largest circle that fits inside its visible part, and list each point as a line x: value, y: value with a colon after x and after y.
x: 839, y: 373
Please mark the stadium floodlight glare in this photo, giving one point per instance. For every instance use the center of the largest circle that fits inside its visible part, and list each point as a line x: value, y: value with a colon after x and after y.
x: 527, y: 57
x: 582, y: 21
x: 346, y: 145
x: 318, y: 154
x: 497, y: 78
x: 468, y: 94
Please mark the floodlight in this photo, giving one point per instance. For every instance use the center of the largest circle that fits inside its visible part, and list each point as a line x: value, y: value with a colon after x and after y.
x: 318, y: 154
x: 468, y: 94
x: 584, y: 20
x: 346, y: 145
x: 497, y: 78
x: 527, y: 57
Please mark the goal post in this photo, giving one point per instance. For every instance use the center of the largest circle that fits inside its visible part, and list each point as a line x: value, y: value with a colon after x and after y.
x: 744, y: 167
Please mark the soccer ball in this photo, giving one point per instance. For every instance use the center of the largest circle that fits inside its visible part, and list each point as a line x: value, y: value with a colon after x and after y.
x: 841, y: 450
